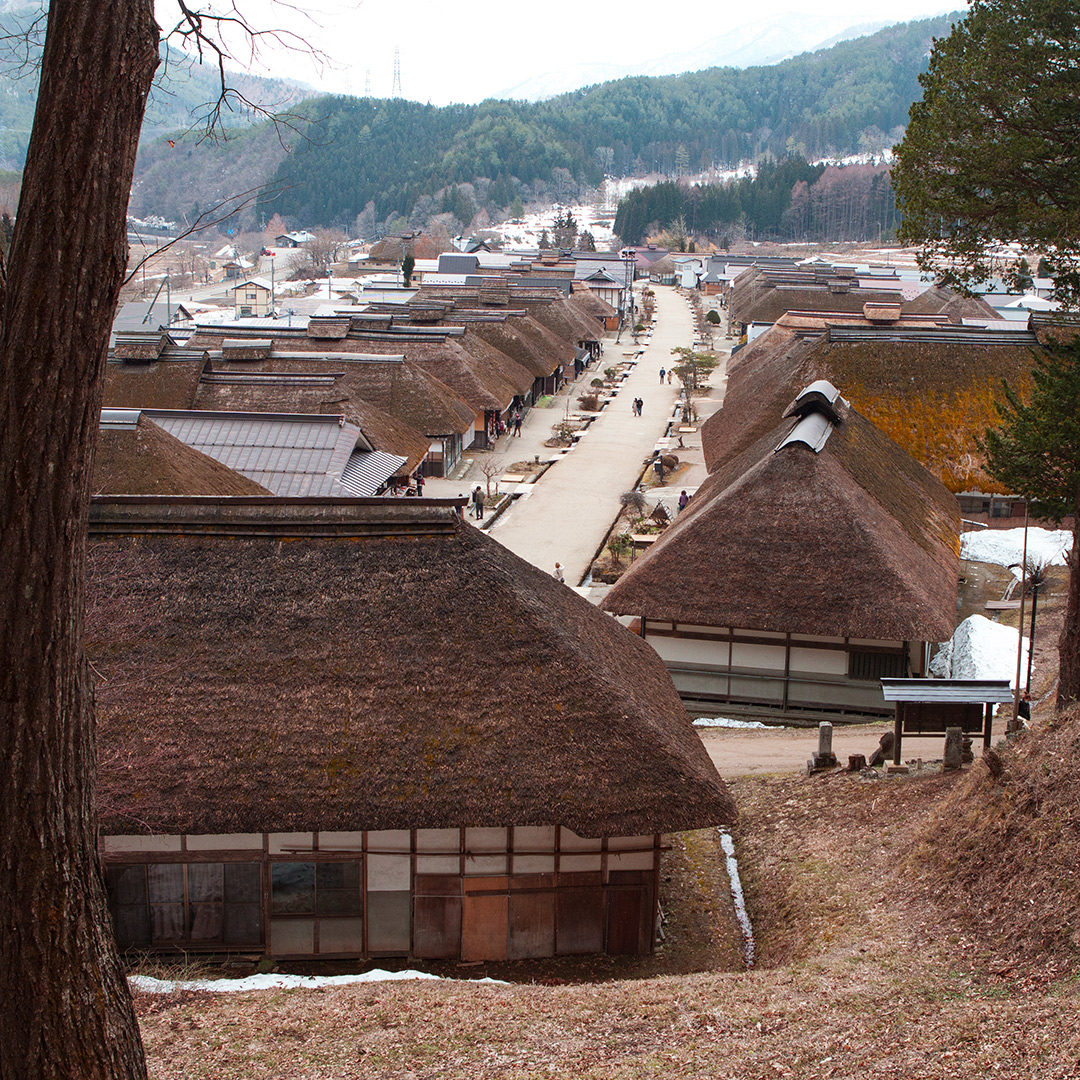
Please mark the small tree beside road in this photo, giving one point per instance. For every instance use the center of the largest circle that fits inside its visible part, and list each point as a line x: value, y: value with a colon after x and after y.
x: 693, y: 371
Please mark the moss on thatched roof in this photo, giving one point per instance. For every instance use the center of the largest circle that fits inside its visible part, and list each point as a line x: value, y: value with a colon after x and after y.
x: 146, y: 460
x: 933, y: 394
x: 857, y: 540
x: 378, y: 664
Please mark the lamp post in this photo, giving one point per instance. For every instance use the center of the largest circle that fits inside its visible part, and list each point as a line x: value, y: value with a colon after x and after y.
x: 629, y: 258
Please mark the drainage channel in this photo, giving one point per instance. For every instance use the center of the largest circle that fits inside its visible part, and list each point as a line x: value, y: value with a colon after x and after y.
x: 728, y: 845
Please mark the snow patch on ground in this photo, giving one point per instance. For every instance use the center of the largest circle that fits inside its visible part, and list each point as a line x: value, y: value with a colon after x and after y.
x: 277, y: 982
x: 1005, y: 547
x: 979, y: 649
x: 723, y: 721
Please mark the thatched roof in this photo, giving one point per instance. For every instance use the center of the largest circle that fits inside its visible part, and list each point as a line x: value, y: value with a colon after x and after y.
x: 400, y: 388
x: 941, y: 301
x: 476, y: 376
x: 589, y: 304
x: 142, y: 459
x: 855, y: 540
x: 524, y: 340
x: 755, y: 298
x: 371, y: 664
x: 928, y: 384
x: 165, y: 384
x: 564, y: 320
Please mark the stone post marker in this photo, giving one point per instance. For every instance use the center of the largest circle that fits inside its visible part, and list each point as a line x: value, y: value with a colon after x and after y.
x: 824, y: 758
x: 954, y: 748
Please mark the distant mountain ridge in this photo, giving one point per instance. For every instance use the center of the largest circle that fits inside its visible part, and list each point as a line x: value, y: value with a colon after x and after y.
x: 403, y: 163
x: 751, y: 45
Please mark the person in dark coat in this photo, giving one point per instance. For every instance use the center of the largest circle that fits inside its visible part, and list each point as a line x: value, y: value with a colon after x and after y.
x: 478, y: 502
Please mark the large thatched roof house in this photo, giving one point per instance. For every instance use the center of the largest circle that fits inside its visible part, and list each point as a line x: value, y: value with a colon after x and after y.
x: 812, y: 563
x: 359, y: 727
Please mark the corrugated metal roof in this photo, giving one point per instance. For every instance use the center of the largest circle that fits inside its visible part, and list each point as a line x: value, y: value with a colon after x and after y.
x: 288, y: 454
x: 960, y: 691
x: 365, y: 473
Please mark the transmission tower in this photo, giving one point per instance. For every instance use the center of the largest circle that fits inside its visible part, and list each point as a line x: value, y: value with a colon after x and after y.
x: 395, y: 90
x: 367, y: 83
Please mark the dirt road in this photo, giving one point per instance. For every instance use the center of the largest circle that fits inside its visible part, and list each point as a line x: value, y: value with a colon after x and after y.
x: 742, y: 752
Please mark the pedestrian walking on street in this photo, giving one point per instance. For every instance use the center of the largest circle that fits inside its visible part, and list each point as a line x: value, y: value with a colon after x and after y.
x: 669, y: 378
x: 418, y: 476
x: 640, y: 403
x: 517, y: 424
x: 478, y: 503
x: 662, y: 373
x: 658, y: 466
x: 684, y: 499
x: 558, y: 573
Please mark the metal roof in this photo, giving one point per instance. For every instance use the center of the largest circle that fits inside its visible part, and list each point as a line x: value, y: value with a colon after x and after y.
x: 813, y: 430
x: 959, y: 691
x: 822, y: 387
x: 366, y: 473
x: 289, y: 455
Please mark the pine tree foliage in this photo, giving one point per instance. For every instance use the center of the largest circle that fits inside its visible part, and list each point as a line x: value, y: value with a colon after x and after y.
x: 1035, y: 451
x: 992, y: 151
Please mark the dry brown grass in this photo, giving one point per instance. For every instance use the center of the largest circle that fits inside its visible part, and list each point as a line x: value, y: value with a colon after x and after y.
x: 863, y: 973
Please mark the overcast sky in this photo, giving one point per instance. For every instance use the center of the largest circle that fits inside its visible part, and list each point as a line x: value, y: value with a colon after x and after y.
x: 472, y: 49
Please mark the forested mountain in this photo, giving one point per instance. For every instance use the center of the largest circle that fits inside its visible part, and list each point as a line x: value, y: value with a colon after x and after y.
x: 401, y: 156
x: 788, y: 199
x: 182, y: 90
x: 400, y: 162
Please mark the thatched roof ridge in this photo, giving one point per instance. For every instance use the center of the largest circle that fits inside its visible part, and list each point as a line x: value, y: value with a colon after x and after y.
x: 857, y: 540
x: 146, y: 460
x: 425, y: 677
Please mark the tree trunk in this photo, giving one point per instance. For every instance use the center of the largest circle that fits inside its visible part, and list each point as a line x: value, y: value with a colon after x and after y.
x: 1069, y: 642
x: 66, y: 1011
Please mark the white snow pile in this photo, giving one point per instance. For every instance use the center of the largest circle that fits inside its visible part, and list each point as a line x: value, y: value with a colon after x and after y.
x: 276, y: 982
x: 1005, y: 547
x: 979, y: 649
x: 723, y: 721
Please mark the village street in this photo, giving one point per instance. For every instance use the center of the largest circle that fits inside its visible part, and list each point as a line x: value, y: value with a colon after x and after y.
x: 566, y: 515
